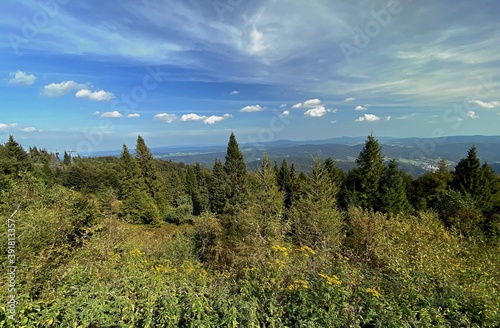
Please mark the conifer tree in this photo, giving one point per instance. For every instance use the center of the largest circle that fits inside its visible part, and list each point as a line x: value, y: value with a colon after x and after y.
x: 193, y: 190
x: 218, y: 188
x: 267, y: 204
x: 468, y: 177
x: 66, y: 159
x: 137, y: 204
x: 236, y: 172
x: 17, y: 159
x: 393, y: 191
x: 336, y: 174
x: 202, y: 179
x: 284, y: 180
x: 370, y: 169
x: 150, y: 174
x: 316, y: 221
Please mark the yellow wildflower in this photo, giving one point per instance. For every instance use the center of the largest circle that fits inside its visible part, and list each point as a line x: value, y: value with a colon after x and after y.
x: 136, y: 252
x: 334, y: 280
x: 307, y: 250
x: 282, y: 249
x: 373, y: 292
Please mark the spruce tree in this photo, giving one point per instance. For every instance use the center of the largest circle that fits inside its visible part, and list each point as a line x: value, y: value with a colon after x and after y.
x: 267, y: 203
x: 202, y: 179
x: 284, y: 180
x: 137, y: 204
x: 468, y: 177
x: 66, y: 159
x: 393, y: 191
x: 193, y: 190
x: 336, y: 174
x: 370, y: 169
x: 218, y: 188
x: 236, y: 171
x: 17, y: 159
x: 316, y: 221
x: 150, y: 174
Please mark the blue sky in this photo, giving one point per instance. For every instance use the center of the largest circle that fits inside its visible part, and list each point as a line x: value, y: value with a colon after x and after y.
x: 92, y: 75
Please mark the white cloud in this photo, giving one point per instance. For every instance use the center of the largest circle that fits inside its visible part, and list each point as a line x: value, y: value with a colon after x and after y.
x: 256, y: 41
x: 169, y: 118
x: 285, y: 113
x: 360, y: 108
x: 5, y: 127
x: 60, y: 89
x: 29, y: 129
x: 248, y: 109
x: 296, y: 106
x: 21, y: 78
x: 333, y: 122
x: 350, y: 99
x: 235, y: 92
x: 96, y: 113
x: 192, y: 117
x: 317, y: 111
x: 282, y: 105
x: 214, y: 119
x: 114, y: 114
x: 368, y: 118
x: 408, y: 117
x: 388, y: 118
x: 133, y: 115
x: 487, y: 105
x: 312, y: 103
x: 100, y: 95
x: 472, y: 114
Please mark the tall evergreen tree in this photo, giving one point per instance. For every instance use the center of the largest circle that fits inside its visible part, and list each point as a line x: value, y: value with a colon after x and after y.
x: 66, y: 158
x: 236, y: 172
x: 468, y: 177
x: 202, y: 179
x: 17, y: 160
x: 218, y: 188
x: 150, y: 174
x: 316, y: 221
x: 267, y: 203
x: 393, y: 191
x: 137, y: 205
x: 193, y: 190
x: 336, y: 174
x: 371, y: 166
x: 284, y: 180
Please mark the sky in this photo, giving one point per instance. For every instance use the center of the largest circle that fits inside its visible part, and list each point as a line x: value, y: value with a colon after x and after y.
x: 93, y: 75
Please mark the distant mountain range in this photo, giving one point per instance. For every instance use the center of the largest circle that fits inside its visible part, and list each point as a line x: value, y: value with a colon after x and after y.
x: 415, y: 155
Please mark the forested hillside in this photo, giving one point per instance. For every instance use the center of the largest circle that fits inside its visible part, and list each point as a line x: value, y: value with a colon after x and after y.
x: 136, y: 241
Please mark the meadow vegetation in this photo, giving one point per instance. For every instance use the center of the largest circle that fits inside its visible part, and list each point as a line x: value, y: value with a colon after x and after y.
x: 139, y: 242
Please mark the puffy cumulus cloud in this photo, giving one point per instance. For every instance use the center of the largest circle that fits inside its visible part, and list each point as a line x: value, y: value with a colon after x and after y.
x: 297, y: 106
x: 360, y: 108
x: 317, y: 111
x: 285, y: 113
x: 100, y: 95
x: 192, y: 117
x: 487, y: 105
x: 6, y: 127
x: 60, y: 89
x: 114, y: 114
x: 21, y: 78
x: 15, y: 127
x: 349, y: 99
x: 214, y: 119
x: 169, y: 118
x: 133, y: 115
x: 249, y: 109
x: 368, y: 118
x: 312, y: 102
x: 472, y: 114
x: 235, y: 92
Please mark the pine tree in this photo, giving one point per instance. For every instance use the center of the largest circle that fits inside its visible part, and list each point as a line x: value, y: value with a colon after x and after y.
x: 150, y: 174
x: 336, y: 174
x: 393, y: 191
x: 284, y: 180
x: 468, y: 178
x: 202, y: 179
x: 236, y: 172
x: 371, y: 166
x: 137, y: 204
x: 218, y: 188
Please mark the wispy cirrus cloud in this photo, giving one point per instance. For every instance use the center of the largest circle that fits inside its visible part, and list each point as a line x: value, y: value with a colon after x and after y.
x: 484, y: 104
